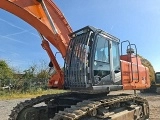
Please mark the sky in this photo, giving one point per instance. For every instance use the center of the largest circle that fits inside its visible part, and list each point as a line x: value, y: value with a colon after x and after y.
x: 135, y: 20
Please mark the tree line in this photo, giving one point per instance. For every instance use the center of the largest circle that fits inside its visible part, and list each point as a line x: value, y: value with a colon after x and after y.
x: 33, y: 78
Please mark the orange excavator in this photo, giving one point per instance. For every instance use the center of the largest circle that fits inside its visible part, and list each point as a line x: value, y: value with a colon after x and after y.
x: 93, y: 68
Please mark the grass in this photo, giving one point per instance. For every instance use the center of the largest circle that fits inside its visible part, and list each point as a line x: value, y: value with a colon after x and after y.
x: 32, y: 94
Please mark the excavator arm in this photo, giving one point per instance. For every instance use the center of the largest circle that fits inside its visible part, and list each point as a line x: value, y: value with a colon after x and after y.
x: 52, y: 26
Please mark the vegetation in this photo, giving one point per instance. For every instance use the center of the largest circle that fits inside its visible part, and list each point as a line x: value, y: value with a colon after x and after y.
x: 29, y: 83
x: 6, y: 73
x: 30, y: 94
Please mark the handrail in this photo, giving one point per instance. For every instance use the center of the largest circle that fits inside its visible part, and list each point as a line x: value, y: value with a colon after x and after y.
x: 136, y: 59
x: 129, y: 44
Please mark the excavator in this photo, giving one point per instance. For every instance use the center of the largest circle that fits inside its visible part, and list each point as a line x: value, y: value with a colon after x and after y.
x: 94, y: 66
x: 155, y: 86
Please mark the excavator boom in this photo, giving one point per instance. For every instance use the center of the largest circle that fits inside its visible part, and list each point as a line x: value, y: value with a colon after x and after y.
x: 34, y: 14
x: 52, y: 26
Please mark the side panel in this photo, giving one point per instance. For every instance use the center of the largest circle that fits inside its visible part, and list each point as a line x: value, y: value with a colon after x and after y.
x: 133, y: 78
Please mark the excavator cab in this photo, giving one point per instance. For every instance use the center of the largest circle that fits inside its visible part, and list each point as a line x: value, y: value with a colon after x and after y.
x: 93, y: 61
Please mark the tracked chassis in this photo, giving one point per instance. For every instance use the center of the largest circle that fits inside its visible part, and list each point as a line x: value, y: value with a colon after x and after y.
x: 82, y: 106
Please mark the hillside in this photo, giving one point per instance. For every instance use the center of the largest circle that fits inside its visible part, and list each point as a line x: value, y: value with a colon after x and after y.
x: 146, y: 63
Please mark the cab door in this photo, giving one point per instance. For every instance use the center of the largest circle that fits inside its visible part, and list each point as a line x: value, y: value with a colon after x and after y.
x: 106, y: 63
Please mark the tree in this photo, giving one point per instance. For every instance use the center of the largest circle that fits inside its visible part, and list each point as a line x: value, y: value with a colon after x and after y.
x: 29, y: 73
x: 43, y: 74
x: 42, y: 70
x: 6, y: 73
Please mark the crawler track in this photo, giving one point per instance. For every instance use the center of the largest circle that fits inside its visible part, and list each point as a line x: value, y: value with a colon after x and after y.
x: 77, y: 106
x: 15, y: 113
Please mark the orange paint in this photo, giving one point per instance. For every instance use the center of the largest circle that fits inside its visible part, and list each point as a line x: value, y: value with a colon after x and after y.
x: 134, y: 78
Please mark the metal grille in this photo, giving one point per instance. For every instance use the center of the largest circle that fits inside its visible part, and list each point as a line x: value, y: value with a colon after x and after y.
x: 76, y: 62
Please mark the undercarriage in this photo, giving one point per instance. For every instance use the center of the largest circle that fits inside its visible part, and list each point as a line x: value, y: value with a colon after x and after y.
x: 82, y: 106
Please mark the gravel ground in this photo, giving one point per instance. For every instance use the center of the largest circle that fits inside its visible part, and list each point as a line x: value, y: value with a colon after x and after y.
x: 6, y: 106
x: 153, y: 99
x: 154, y: 104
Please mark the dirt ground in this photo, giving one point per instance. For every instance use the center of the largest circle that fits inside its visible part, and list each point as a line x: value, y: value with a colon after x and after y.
x: 153, y: 99
x: 154, y: 104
